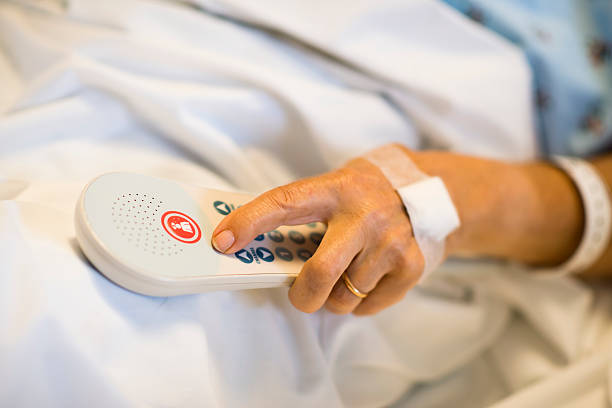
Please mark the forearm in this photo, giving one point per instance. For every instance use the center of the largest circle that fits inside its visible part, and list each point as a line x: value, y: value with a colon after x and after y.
x: 527, y: 212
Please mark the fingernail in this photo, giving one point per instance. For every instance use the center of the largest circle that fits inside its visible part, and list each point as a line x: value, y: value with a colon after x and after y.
x: 223, y: 240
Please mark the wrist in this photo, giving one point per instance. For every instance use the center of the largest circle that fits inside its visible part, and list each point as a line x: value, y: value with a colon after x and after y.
x: 527, y: 212
x: 476, y: 188
x: 556, y: 220
x: 493, y: 199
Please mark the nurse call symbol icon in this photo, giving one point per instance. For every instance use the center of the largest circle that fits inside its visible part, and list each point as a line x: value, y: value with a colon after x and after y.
x: 181, y: 227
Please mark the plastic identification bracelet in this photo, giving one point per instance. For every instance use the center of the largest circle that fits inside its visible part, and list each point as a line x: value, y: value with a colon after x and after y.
x: 597, y: 215
x: 433, y: 215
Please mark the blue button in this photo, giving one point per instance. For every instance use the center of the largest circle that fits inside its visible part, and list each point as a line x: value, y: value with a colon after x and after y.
x: 316, y: 238
x: 297, y: 237
x: 222, y: 207
x: 244, y: 255
x: 304, y: 254
x: 260, y: 237
x: 284, y: 254
x: 264, y: 254
x: 276, y: 236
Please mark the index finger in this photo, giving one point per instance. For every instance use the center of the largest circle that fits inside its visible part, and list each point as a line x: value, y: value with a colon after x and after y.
x: 301, y: 202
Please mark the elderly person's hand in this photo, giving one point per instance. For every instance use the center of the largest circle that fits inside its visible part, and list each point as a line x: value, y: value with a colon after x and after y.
x: 369, y: 236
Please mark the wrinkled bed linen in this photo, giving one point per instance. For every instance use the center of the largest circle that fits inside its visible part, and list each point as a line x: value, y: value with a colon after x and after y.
x: 198, y: 94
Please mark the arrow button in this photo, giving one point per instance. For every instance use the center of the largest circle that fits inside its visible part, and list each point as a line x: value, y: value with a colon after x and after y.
x: 221, y: 207
x: 244, y: 255
x: 264, y: 254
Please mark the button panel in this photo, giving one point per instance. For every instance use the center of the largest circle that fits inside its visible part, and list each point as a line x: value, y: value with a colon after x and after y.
x: 282, y: 245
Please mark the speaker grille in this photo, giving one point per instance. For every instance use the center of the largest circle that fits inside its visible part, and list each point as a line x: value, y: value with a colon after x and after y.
x: 137, y: 217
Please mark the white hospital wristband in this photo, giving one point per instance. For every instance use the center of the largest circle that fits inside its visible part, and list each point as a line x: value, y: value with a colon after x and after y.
x: 432, y: 214
x: 597, y: 217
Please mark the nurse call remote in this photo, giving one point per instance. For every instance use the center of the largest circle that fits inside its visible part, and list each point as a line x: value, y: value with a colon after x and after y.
x: 153, y: 236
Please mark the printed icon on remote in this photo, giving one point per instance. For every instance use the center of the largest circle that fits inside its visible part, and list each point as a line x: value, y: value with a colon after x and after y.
x: 181, y: 227
x: 276, y: 236
x: 244, y: 255
x: 222, y: 207
x: 304, y: 254
x: 316, y: 238
x: 297, y: 237
x: 284, y: 254
x: 264, y: 254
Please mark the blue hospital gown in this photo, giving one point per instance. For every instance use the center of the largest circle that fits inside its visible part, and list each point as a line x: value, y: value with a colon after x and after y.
x: 568, y: 44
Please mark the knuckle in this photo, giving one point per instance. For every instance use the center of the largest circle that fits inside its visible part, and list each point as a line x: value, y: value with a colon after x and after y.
x: 354, y: 183
x: 347, y: 177
x: 397, y: 247
x: 319, y: 264
x: 283, y: 197
x: 405, y: 279
x: 375, y: 217
x: 321, y: 272
x: 407, y: 260
x: 408, y: 276
x: 418, y: 262
x: 414, y: 261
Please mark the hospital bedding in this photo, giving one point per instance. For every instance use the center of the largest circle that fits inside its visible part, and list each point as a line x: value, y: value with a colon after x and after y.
x: 249, y: 95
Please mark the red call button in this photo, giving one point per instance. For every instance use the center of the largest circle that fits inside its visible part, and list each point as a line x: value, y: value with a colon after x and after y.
x: 181, y: 227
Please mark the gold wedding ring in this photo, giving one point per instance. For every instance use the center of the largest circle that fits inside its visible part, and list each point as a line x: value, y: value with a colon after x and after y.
x: 352, y: 288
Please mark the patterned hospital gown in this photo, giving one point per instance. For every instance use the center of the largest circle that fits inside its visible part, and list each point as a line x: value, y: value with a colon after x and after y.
x: 568, y: 44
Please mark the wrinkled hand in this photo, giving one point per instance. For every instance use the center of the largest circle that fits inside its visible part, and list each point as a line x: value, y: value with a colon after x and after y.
x: 368, y: 237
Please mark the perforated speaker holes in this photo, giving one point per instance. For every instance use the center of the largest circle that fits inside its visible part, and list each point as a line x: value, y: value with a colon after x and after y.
x: 137, y: 217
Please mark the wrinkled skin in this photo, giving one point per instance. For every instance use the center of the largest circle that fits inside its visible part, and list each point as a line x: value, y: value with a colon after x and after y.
x: 368, y: 237
x: 526, y: 212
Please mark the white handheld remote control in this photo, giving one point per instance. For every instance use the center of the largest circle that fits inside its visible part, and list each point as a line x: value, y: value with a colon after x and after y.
x: 153, y: 236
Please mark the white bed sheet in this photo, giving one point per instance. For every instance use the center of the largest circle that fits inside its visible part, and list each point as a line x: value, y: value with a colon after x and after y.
x: 165, y: 89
